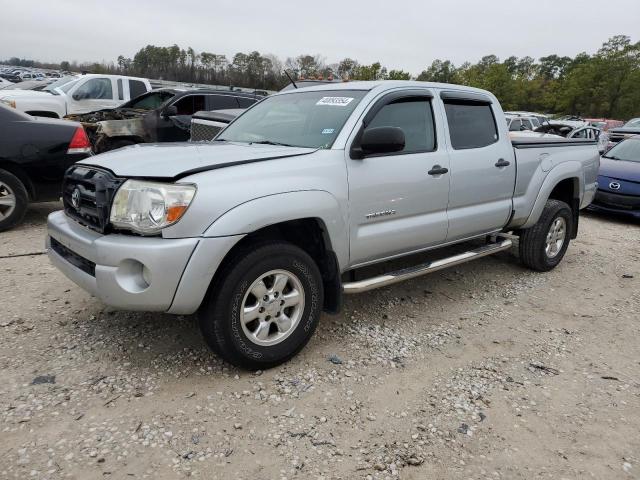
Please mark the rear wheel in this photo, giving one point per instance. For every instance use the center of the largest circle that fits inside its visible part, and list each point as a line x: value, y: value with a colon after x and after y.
x: 543, y: 246
x: 13, y: 200
x: 264, y: 306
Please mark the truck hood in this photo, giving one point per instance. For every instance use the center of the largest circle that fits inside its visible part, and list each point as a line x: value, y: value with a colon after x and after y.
x: 626, y: 130
x: 177, y: 160
x: 6, y: 93
x: 620, y: 169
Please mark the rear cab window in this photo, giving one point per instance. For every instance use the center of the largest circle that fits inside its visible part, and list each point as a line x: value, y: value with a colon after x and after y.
x: 472, y: 123
x: 136, y: 88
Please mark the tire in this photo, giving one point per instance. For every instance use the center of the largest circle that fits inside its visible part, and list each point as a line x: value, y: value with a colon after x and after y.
x: 555, y: 221
x: 13, y: 200
x: 263, y: 342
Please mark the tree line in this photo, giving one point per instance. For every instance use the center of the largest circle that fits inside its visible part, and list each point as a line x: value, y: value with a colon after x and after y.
x: 603, y: 84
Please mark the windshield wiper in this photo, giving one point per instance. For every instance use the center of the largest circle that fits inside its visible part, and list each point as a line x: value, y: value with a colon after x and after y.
x: 612, y: 158
x: 269, y: 142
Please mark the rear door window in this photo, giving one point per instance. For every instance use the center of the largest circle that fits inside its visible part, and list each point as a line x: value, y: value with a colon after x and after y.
x: 222, y: 102
x: 246, y: 102
x: 471, y: 124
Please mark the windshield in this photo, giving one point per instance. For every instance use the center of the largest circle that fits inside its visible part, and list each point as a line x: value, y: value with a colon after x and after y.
x: 58, y: 83
x: 633, y: 123
x: 149, y: 101
x: 300, y: 119
x: 628, y: 150
x: 68, y: 86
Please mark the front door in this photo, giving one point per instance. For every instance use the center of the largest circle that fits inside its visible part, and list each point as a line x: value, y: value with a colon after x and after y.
x: 398, y: 201
x: 483, y: 170
x: 95, y: 93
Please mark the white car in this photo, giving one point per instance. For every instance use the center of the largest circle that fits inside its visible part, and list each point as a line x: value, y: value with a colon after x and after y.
x: 84, y: 94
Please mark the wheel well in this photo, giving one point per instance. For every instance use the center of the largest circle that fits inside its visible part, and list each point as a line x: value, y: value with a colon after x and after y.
x: 567, y: 191
x: 38, y: 113
x: 309, y: 234
x: 22, y: 176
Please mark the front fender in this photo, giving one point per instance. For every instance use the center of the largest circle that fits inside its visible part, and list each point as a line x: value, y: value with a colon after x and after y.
x: 272, y: 209
x: 561, y: 172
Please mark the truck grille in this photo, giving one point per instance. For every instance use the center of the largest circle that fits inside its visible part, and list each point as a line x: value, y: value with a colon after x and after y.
x: 205, y: 131
x: 617, y: 200
x: 618, y: 137
x: 87, y: 193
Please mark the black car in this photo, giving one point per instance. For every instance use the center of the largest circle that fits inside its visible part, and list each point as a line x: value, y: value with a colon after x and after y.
x: 34, y: 154
x: 162, y: 115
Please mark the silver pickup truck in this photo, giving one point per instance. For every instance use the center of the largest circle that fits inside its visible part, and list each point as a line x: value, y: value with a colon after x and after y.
x: 268, y: 225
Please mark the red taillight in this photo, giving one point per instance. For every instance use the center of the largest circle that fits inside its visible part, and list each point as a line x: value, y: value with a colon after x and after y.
x: 79, y: 142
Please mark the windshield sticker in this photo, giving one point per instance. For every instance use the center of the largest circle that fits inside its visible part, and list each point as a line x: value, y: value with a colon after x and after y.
x: 335, y: 101
x: 328, y: 131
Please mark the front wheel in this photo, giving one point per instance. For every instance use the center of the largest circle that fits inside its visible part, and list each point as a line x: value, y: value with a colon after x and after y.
x: 264, y: 305
x: 543, y: 246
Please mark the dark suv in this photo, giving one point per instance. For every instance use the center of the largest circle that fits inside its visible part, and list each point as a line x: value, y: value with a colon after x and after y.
x: 158, y: 116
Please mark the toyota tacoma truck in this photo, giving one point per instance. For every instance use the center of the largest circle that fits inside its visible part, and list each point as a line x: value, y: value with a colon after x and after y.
x: 269, y: 224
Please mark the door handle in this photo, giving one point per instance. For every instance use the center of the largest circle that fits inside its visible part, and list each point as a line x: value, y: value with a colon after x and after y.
x: 437, y: 170
x: 502, y: 163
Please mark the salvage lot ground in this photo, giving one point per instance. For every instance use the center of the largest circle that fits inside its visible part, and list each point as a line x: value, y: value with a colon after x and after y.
x: 484, y: 371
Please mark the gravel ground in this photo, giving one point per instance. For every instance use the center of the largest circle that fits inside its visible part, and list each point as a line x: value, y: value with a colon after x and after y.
x: 485, y: 371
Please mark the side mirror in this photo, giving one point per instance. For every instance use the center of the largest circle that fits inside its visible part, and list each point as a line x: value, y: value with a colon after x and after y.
x: 79, y: 96
x: 382, y: 140
x: 170, y: 111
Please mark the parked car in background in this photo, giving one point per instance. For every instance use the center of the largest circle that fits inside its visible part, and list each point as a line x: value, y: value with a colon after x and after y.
x: 604, y: 124
x: 619, y: 180
x: 159, y: 116
x: 34, y: 154
x: 33, y: 85
x: 521, y: 124
x: 268, y: 225
x: 86, y: 93
x: 206, y: 125
x: 628, y: 130
x: 11, y: 77
x: 542, y: 119
x: 584, y: 131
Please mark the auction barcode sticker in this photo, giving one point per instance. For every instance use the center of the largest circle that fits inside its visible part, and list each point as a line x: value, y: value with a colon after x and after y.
x: 335, y: 101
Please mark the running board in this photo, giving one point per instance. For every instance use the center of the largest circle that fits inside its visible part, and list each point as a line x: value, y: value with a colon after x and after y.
x: 422, y: 269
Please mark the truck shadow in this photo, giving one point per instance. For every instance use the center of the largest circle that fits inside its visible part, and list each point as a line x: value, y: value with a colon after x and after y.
x: 173, y: 344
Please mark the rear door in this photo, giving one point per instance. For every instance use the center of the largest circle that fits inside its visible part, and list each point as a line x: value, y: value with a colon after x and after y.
x: 483, y: 169
x: 396, y: 204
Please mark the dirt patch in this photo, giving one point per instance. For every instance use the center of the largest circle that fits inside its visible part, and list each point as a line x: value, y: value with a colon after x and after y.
x: 485, y: 371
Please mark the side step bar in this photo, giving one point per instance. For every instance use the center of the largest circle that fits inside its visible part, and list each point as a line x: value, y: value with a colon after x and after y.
x: 422, y: 269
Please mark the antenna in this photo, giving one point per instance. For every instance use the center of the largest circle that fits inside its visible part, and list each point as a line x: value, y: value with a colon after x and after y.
x: 290, y: 79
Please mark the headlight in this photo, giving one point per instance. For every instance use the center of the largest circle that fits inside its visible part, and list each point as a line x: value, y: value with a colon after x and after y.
x: 11, y: 103
x: 148, y: 207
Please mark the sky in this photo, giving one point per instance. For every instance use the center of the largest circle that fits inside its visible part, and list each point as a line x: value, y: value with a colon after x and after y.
x: 400, y: 34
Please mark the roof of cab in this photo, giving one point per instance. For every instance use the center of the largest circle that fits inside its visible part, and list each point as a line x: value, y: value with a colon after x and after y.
x: 386, y: 85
